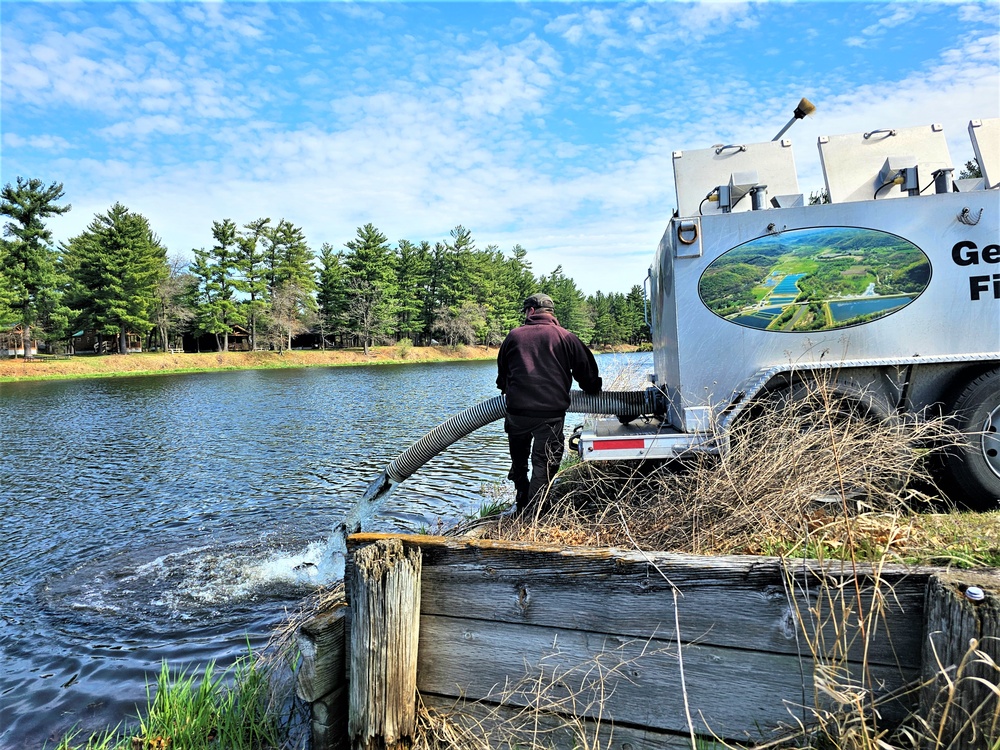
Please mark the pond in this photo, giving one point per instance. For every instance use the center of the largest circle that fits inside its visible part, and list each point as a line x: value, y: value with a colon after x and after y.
x: 848, y: 309
x: 153, y: 518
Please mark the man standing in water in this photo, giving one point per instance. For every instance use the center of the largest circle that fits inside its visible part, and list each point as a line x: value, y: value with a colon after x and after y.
x: 536, y: 365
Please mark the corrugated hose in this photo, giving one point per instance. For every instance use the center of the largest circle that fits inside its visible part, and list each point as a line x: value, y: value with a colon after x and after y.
x: 618, y: 403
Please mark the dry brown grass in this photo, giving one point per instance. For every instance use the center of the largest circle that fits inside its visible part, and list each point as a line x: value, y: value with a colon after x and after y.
x: 802, y: 472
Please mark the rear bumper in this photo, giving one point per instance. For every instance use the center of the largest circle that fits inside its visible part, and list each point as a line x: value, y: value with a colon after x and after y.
x: 607, y: 439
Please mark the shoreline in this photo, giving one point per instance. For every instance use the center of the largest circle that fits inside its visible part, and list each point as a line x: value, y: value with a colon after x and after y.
x: 88, y: 366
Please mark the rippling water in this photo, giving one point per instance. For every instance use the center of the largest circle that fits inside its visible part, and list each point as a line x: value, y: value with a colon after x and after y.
x: 163, y: 517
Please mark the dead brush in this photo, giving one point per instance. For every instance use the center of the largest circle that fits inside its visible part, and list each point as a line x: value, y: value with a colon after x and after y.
x: 791, y: 474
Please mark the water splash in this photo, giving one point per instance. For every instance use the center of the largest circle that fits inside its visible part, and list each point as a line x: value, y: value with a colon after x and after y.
x: 331, y: 564
x: 182, y: 585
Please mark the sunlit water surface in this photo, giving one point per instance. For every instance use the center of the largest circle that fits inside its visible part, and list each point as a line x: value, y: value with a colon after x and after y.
x: 167, y: 517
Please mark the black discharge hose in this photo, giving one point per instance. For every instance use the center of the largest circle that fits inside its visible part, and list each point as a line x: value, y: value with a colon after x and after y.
x: 619, y: 403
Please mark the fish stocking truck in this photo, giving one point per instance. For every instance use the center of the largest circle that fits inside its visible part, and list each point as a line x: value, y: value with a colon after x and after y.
x: 890, y: 292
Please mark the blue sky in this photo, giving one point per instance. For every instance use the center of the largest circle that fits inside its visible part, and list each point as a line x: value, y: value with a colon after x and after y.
x: 545, y: 124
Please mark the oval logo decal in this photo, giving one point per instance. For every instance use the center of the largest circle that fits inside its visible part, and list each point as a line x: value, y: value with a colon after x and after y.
x: 817, y: 279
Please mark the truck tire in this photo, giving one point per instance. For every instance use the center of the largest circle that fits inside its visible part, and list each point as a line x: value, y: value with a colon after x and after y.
x: 815, y: 406
x: 846, y: 398
x: 972, y: 469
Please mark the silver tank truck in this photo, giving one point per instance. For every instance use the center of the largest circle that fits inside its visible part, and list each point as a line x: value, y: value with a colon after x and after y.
x: 892, y: 289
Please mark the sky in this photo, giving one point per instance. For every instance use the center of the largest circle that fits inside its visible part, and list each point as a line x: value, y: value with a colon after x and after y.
x: 548, y: 125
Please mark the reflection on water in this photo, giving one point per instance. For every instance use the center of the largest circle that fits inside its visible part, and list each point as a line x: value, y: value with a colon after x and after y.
x: 167, y: 517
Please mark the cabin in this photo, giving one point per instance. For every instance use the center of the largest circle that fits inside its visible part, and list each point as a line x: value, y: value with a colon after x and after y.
x: 88, y: 340
x: 12, y: 342
x: 239, y: 341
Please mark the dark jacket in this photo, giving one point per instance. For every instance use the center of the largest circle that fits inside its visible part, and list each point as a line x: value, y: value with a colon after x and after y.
x: 537, y: 363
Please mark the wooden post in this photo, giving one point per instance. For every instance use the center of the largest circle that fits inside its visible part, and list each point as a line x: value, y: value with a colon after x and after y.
x: 960, y: 657
x: 385, y: 626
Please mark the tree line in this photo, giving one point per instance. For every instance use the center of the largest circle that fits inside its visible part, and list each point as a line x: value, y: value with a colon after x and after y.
x: 261, y: 278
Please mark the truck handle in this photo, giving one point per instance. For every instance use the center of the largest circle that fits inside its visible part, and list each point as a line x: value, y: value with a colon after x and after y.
x: 645, y: 298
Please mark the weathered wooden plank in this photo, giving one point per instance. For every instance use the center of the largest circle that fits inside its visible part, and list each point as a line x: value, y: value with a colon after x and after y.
x: 385, y: 624
x: 732, y: 693
x: 721, y: 600
x: 961, y: 655
x: 323, y: 668
x: 499, y: 726
x: 329, y: 721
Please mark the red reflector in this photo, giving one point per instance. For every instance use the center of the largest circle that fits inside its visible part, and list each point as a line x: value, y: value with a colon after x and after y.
x: 605, y: 445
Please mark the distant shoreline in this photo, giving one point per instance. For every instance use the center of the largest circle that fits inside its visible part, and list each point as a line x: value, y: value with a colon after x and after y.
x: 87, y: 366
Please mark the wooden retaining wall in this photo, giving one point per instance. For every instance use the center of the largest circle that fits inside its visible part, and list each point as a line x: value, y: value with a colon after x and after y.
x: 590, y: 637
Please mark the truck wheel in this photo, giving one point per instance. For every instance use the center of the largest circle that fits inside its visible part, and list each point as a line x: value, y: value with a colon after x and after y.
x: 973, y: 467
x: 821, y: 412
x: 845, y: 400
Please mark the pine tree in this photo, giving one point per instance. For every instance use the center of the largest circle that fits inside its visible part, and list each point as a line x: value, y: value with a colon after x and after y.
x: 250, y: 272
x: 287, y: 257
x: 370, y: 286
x: 459, y: 277
x: 432, y: 301
x: 971, y: 170
x: 637, y: 331
x: 118, y: 264
x: 604, y: 323
x: 218, y: 311
x: 31, y: 282
x: 570, y: 305
x: 331, y: 294
x: 7, y: 317
x: 412, y: 271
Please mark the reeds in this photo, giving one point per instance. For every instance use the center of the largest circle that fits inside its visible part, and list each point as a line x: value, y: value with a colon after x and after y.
x: 198, y: 711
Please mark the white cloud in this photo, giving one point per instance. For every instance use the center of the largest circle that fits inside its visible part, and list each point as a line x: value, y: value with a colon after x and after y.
x: 52, y: 143
x: 897, y: 15
x: 977, y: 12
x: 142, y: 127
x: 28, y: 77
x: 164, y: 22
x: 628, y: 111
x: 510, y: 81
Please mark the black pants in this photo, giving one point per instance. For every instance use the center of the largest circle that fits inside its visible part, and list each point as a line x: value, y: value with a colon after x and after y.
x: 540, y: 440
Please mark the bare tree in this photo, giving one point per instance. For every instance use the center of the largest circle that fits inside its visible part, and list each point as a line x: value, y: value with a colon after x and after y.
x: 460, y: 325
x: 175, y: 299
x: 289, y: 314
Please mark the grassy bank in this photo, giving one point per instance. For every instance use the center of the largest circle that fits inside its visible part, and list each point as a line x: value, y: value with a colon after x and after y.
x: 45, y: 367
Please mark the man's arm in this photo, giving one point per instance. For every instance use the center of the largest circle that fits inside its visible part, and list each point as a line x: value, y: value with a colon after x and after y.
x: 585, y: 370
x: 502, y: 369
